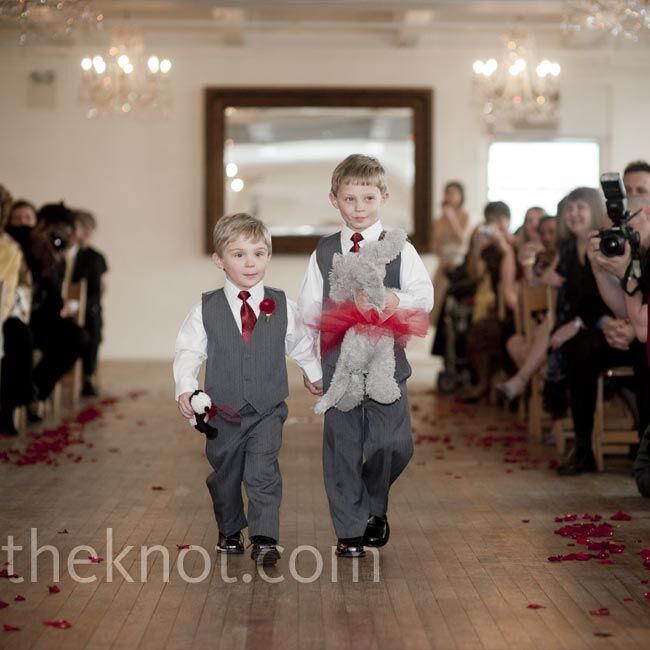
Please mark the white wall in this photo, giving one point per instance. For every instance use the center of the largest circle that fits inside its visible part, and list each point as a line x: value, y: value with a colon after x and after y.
x: 144, y: 178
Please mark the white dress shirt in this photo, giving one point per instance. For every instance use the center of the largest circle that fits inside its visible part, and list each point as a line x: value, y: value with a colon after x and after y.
x: 192, y: 340
x: 416, y: 289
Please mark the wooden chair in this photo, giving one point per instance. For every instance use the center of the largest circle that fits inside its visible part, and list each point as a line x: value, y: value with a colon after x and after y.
x: 615, y: 433
x: 534, y: 299
x: 74, y: 377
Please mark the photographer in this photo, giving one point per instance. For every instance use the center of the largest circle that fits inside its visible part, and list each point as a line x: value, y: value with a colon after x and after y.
x: 491, y: 264
x: 623, y: 283
x: 60, y: 339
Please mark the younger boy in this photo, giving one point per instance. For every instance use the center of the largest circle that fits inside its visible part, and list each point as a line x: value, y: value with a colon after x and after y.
x: 365, y: 449
x: 244, y: 348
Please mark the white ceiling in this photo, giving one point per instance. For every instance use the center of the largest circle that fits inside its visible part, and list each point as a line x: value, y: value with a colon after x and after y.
x: 338, y: 10
x: 401, y: 23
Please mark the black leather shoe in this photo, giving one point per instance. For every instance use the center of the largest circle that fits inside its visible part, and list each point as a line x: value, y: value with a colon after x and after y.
x: 377, y: 531
x: 89, y: 389
x: 32, y: 416
x: 233, y: 544
x: 578, y: 464
x: 350, y: 547
x: 264, y: 550
x: 7, y: 427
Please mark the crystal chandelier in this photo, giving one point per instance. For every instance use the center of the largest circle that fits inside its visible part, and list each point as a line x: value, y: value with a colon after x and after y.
x: 518, y: 90
x: 125, y: 79
x: 49, y: 19
x: 628, y: 18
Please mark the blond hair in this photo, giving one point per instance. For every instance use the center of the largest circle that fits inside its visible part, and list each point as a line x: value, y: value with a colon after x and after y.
x: 240, y: 224
x: 358, y: 169
x: 593, y: 198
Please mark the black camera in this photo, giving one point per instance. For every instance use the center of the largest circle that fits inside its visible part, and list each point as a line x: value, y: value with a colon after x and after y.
x: 59, y: 241
x: 612, y: 240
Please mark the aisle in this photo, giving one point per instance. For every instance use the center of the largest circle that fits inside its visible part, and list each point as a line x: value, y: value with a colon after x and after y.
x: 472, y: 530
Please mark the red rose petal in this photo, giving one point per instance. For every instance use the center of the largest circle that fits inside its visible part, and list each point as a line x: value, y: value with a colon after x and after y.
x: 603, y: 611
x: 88, y: 415
x: 9, y: 628
x: 95, y: 559
x: 3, y: 604
x: 620, y: 516
x: 63, y: 532
x: 60, y: 624
x: 182, y: 547
x: 157, y: 487
x: 19, y: 598
x: 535, y: 606
x: 646, y: 595
x: 54, y: 589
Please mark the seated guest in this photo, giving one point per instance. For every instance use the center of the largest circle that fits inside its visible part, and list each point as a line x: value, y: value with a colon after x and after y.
x: 16, y: 382
x: 449, y: 242
x: 529, y: 360
x: 624, y: 286
x: 577, y: 336
x: 90, y: 265
x: 60, y: 339
x: 22, y: 214
x: 491, y: 263
x: 528, y: 233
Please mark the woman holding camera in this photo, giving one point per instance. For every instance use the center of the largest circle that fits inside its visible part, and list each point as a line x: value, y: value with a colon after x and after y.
x: 580, y: 314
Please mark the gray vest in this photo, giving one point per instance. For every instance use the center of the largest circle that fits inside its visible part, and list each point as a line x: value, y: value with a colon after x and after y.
x: 325, y: 250
x: 239, y: 373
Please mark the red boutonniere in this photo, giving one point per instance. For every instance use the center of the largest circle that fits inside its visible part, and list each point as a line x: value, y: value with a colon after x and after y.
x: 267, y: 307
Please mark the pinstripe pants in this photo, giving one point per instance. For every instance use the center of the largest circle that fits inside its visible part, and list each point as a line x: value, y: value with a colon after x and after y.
x: 246, y: 452
x: 364, y: 451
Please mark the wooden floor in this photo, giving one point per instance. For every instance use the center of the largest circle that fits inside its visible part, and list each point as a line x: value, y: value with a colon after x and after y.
x: 471, y: 534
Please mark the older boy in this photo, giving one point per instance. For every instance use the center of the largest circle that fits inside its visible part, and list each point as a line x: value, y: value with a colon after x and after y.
x: 365, y: 449
x: 246, y: 372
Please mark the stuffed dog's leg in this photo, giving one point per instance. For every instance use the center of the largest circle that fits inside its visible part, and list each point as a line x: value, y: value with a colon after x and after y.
x: 353, y: 396
x: 380, y: 382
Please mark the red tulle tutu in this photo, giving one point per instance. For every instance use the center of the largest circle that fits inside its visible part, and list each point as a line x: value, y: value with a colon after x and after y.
x: 337, y: 319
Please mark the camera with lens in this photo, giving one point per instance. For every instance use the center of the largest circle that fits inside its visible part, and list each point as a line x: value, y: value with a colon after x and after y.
x: 59, y: 241
x: 612, y: 240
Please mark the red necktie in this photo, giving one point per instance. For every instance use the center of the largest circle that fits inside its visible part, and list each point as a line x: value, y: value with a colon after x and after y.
x: 356, y: 238
x: 248, y: 318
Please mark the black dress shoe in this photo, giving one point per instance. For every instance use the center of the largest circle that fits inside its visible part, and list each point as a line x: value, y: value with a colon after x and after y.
x: 32, y: 416
x: 350, y: 547
x: 89, y: 389
x: 7, y: 427
x: 578, y: 464
x: 377, y: 531
x: 265, y: 552
x: 232, y: 544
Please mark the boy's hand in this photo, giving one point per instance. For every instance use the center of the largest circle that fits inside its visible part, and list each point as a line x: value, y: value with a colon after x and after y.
x: 316, y: 388
x: 184, y: 405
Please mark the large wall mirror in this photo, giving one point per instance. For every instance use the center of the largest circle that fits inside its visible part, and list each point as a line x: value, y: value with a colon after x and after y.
x: 271, y: 152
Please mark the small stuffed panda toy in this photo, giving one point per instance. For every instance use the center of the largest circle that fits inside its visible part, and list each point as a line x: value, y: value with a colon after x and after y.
x: 202, y: 405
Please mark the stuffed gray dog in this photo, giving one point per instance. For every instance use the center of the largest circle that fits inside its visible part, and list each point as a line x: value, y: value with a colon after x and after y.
x: 366, y: 364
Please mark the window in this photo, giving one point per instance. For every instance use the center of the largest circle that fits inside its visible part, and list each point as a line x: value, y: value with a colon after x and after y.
x: 524, y: 174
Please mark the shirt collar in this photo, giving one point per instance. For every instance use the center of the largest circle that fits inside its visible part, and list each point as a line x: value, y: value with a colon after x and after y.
x: 371, y: 233
x: 231, y: 290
